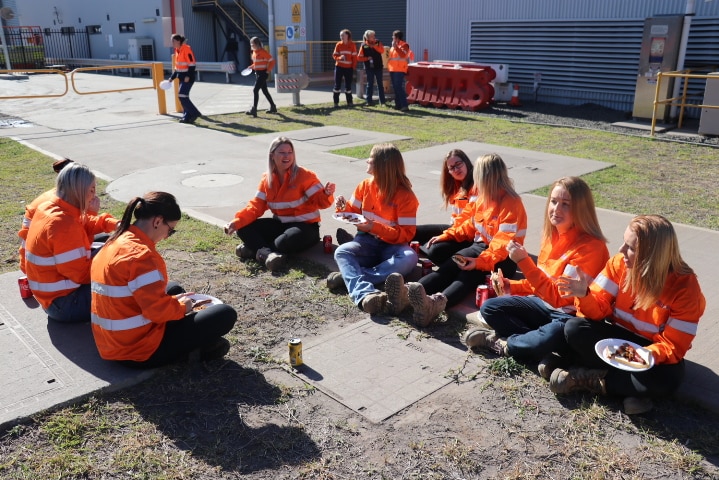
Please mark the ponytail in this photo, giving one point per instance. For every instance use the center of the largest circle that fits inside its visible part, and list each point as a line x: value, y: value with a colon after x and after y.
x: 150, y: 205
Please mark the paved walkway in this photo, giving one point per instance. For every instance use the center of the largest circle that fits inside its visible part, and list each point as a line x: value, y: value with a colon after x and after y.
x: 125, y: 141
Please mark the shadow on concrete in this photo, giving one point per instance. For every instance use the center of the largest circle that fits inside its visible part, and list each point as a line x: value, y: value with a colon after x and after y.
x: 202, y: 409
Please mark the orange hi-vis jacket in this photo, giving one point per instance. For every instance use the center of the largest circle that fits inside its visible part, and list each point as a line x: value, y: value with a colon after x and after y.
x: 297, y: 200
x: 262, y: 60
x: 349, y: 50
x: 184, y: 59
x: 399, y: 57
x: 671, y: 323
x: 371, y: 53
x: 562, y: 255
x: 130, y: 306
x: 458, y: 204
x: 395, y: 221
x: 57, y: 249
x: 495, y: 224
x: 27, y: 221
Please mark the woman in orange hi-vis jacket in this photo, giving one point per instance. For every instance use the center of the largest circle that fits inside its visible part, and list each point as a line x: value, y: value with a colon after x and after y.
x: 398, y: 65
x: 370, y: 53
x: 496, y: 218
x: 185, y: 65
x: 262, y: 64
x: 139, y: 318
x: 58, y: 248
x: 529, y: 322
x: 646, y: 294
x: 381, y: 246
x: 295, y: 197
x: 345, y: 55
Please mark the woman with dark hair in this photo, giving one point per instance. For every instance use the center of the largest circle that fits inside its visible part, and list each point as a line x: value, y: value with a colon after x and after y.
x: 646, y: 294
x: 185, y: 65
x: 295, y: 197
x: 457, y: 185
x: 345, y: 56
x: 381, y: 245
x: 136, y: 318
x: 58, y: 247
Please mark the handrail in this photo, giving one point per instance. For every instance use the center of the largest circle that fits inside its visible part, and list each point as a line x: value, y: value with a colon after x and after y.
x: 245, y: 13
x: 684, y: 74
x: 44, y: 70
x: 132, y: 65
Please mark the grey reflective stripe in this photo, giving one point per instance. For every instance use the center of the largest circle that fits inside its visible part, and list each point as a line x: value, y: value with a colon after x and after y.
x: 260, y: 195
x: 145, y: 279
x: 407, y: 220
x: 355, y: 203
x: 638, y: 325
x: 284, y: 205
x: 110, y: 290
x: 65, y: 257
x: 481, y: 233
x: 121, y: 324
x: 508, y: 227
x: 299, y: 218
x: 376, y: 218
x: 607, y: 285
x: 314, y: 189
x: 456, y: 210
x: 58, y: 286
x: 520, y: 233
x: 26, y: 222
x: 683, y: 325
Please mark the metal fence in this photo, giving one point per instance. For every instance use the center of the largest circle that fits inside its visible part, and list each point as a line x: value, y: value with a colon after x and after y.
x: 33, y: 47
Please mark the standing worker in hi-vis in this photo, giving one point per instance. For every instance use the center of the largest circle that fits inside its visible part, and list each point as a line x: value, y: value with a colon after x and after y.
x: 398, y: 64
x: 185, y: 71
x: 262, y: 64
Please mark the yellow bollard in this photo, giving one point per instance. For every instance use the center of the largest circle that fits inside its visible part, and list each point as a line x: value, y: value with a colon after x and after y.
x: 158, y: 75
x: 283, y: 64
x: 176, y: 89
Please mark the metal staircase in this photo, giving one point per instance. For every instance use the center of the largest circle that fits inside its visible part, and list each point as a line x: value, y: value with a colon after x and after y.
x: 238, y: 16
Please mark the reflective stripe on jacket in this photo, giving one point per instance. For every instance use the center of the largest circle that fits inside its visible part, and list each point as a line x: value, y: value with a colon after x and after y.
x: 671, y: 323
x: 57, y: 249
x: 399, y: 57
x: 130, y: 306
x: 458, y: 205
x: 262, y: 60
x: 184, y: 59
x: 349, y: 50
x: 296, y: 200
x: 395, y: 221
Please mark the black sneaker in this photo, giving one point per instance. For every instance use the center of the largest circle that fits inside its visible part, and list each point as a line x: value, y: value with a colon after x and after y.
x: 343, y: 236
x: 217, y: 349
x: 273, y: 109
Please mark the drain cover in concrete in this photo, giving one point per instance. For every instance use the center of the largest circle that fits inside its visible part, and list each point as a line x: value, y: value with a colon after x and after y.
x: 377, y: 370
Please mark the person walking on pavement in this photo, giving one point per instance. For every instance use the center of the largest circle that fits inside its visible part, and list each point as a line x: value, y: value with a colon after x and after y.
x: 370, y: 53
x: 262, y: 64
x: 398, y: 64
x: 185, y: 65
x: 345, y: 55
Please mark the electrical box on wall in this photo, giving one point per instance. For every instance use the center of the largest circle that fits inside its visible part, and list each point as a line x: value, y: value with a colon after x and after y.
x: 141, y: 49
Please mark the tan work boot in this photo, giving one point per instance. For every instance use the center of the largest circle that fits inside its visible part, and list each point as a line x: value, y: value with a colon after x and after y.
x: 335, y: 280
x: 486, y: 339
x: 549, y: 364
x: 275, y: 261
x: 374, y: 302
x: 426, y: 307
x: 578, y: 380
x: 397, y: 294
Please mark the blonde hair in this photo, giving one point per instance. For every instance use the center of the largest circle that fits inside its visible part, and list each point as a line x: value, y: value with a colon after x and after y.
x: 72, y: 184
x: 367, y: 33
x: 271, y: 167
x: 447, y: 182
x: 584, y: 215
x: 656, y: 254
x: 388, y: 170
x: 492, y: 179
x: 256, y: 42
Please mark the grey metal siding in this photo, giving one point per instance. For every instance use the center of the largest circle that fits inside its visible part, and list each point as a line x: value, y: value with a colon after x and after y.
x: 381, y: 16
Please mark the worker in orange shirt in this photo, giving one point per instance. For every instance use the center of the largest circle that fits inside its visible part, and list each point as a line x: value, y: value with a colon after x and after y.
x: 345, y: 55
x: 262, y: 64
x: 185, y: 66
x: 398, y: 64
x: 370, y: 53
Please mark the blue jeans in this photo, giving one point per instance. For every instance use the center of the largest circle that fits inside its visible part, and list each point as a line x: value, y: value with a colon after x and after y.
x: 367, y: 261
x: 400, y: 94
x: 72, y: 308
x: 373, y: 75
x: 532, y: 329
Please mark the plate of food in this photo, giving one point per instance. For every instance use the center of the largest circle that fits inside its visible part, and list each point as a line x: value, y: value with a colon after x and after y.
x: 165, y: 84
x: 246, y: 71
x: 349, y: 217
x: 497, y: 279
x: 459, y: 260
x: 201, y: 301
x: 624, y: 355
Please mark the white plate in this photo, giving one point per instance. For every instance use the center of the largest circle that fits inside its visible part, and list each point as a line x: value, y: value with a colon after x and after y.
x: 602, y: 345
x: 96, y: 245
x: 165, y: 84
x: 246, y: 71
x: 348, y: 217
x: 198, y: 297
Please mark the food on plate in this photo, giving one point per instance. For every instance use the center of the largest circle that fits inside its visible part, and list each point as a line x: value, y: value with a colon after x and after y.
x: 201, y: 304
x: 459, y: 260
x: 626, y: 355
x: 349, y: 217
x: 498, y: 282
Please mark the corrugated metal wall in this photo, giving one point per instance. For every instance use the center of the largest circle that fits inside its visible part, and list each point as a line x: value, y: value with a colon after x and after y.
x: 382, y: 16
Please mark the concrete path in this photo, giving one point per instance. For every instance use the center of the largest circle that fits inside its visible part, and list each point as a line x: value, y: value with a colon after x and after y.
x: 125, y: 141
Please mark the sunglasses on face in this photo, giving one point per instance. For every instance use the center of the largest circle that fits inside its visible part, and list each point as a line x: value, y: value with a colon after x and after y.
x: 171, y: 230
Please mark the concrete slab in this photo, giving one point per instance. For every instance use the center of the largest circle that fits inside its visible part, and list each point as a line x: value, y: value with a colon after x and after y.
x: 378, y: 369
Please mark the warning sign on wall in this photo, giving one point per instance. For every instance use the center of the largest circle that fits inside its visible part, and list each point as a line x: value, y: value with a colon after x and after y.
x: 296, y: 12
x: 279, y: 33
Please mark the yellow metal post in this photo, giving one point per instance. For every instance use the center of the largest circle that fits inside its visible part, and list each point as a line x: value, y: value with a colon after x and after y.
x: 176, y: 89
x: 158, y: 75
x: 282, y: 65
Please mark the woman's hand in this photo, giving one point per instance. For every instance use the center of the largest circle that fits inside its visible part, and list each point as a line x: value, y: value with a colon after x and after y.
x: 229, y: 229
x: 516, y: 251
x: 329, y: 188
x: 470, y: 265
x: 365, y: 227
x: 186, y: 301
x: 340, y: 203
x: 574, y: 286
x: 432, y: 241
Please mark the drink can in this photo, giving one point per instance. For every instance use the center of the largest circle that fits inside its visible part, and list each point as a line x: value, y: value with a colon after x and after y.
x: 414, y: 245
x: 488, y: 282
x: 426, y: 266
x: 295, y: 346
x: 482, y: 295
x: 24, y: 285
x: 327, y: 242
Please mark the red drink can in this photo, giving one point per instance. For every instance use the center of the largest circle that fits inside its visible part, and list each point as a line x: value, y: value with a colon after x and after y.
x: 327, y: 242
x: 482, y: 295
x: 426, y: 266
x: 24, y: 285
x: 414, y: 245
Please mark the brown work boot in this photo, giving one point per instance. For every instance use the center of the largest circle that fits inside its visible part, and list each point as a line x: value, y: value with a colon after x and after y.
x: 487, y: 340
x: 374, y: 302
x: 578, y: 380
x: 426, y: 307
x: 335, y: 280
x: 243, y: 251
x: 397, y: 294
x: 548, y: 364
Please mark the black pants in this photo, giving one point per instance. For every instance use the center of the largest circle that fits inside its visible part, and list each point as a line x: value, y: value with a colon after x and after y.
x: 661, y: 380
x: 440, y: 251
x: 456, y: 283
x: 281, y: 237
x: 342, y: 73
x: 261, y: 84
